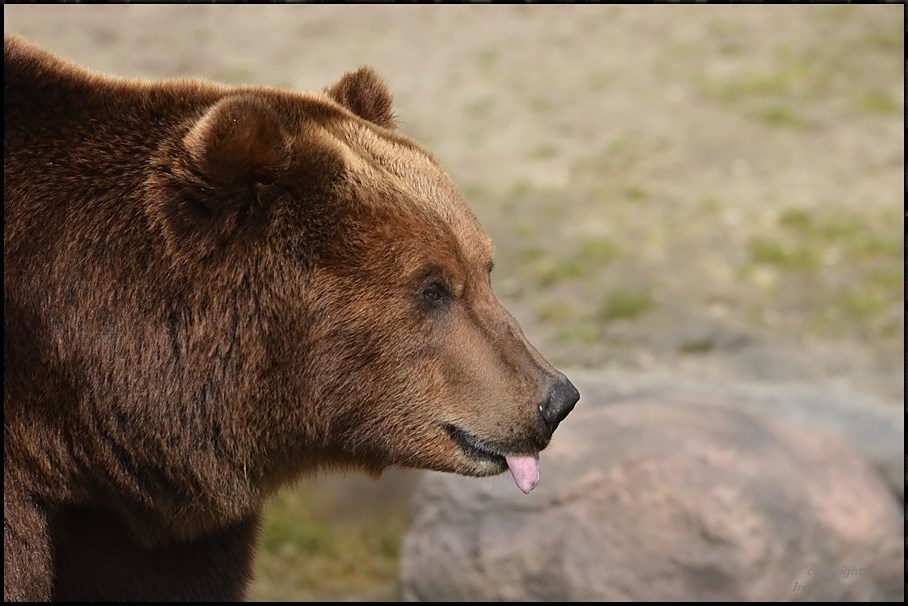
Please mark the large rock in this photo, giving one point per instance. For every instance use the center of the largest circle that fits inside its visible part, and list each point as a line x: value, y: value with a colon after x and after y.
x: 876, y: 428
x: 664, y: 498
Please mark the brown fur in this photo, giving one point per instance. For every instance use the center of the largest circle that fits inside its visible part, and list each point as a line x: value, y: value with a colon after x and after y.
x: 211, y: 290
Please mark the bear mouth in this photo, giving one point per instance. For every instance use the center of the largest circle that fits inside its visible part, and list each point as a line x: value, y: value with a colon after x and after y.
x: 524, y: 467
x: 474, y: 447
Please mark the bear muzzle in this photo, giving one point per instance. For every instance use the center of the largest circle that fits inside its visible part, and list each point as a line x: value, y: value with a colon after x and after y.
x: 522, y: 459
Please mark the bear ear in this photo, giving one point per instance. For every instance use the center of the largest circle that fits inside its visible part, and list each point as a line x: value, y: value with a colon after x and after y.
x: 238, y: 140
x: 365, y: 94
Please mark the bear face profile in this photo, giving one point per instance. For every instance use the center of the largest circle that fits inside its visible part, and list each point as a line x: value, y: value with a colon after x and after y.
x: 210, y: 290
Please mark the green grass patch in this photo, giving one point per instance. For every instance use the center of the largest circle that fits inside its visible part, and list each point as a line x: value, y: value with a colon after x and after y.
x: 542, y: 152
x: 526, y: 228
x: 474, y: 192
x: 782, y: 116
x: 838, y: 229
x: 710, y: 205
x: 554, y: 312
x: 292, y: 528
x: 599, y: 250
x: 840, y: 270
x: 552, y: 213
x: 874, y: 245
x: 698, y: 346
x: 520, y: 189
x: 777, y: 93
x: 858, y: 311
x: 861, y: 236
x: 880, y: 102
x: 306, y: 555
x: 487, y: 59
x: 769, y: 251
x: 787, y: 76
x: 531, y: 254
x: 755, y: 317
x: 564, y: 270
x: 583, y: 334
x: 838, y: 11
x: 887, y: 40
x: 862, y: 304
x: 625, y: 305
x: 796, y: 219
x: 889, y: 277
x: 634, y: 192
x: 588, y: 258
x: 620, y: 146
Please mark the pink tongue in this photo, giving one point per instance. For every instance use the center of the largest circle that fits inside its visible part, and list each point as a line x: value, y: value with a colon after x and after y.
x: 525, y: 469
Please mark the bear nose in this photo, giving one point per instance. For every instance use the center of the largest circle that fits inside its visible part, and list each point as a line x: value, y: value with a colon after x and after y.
x: 559, y: 403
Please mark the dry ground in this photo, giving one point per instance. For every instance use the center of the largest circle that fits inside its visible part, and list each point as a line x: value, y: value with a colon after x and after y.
x: 715, y: 190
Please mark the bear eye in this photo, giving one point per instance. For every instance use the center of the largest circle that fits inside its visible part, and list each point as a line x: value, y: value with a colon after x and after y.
x: 436, y: 293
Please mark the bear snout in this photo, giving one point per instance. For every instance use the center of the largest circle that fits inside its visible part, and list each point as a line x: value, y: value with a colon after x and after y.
x: 559, y: 403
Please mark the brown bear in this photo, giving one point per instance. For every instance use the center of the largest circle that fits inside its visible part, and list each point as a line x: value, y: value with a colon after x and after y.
x: 210, y: 290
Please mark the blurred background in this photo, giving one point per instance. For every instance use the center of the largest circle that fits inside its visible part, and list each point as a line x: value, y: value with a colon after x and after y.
x: 708, y: 192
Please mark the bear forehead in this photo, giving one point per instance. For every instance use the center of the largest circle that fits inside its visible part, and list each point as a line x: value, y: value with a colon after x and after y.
x: 403, y: 173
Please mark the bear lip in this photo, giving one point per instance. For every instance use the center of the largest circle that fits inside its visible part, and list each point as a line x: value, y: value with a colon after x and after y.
x: 477, y: 448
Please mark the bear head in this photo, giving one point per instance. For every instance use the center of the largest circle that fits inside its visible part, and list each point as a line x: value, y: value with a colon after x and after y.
x: 364, y: 324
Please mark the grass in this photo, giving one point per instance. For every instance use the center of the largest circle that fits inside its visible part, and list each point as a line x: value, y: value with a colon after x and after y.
x: 488, y: 60
x: 565, y: 270
x: 306, y: 554
x: 620, y: 146
x: 586, y: 260
x: 861, y: 235
x: 531, y: 254
x: 803, y: 238
x: 866, y: 246
x: 861, y: 304
x: 880, y: 102
x: 768, y: 251
x: 542, y: 152
x: 710, y: 205
x: 839, y: 11
x: 703, y: 345
x: 886, y: 40
x: 888, y: 277
x: 837, y: 272
x: 599, y: 250
x: 782, y: 116
x: 866, y: 309
x: 526, y: 228
x: 519, y: 189
x: 795, y: 219
x: 581, y: 334
x: 554, y: 312
x: 787, y: 76
x: 625, y: 305
x: 635, y: 192
x: 779, y: 94
x: 475, y: 193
